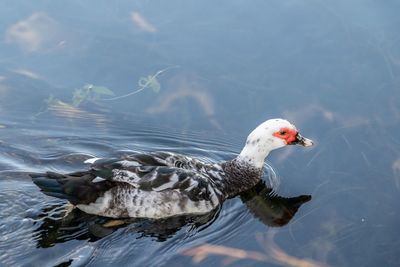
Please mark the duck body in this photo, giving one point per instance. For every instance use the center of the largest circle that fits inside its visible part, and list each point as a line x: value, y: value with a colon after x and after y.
x: 153, y: 185
x: 163, y: 184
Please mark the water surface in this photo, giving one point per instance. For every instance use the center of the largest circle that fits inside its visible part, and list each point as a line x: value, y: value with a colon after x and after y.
x: 207, y: 74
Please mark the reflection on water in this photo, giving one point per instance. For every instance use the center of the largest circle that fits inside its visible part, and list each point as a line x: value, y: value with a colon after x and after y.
x: 76, y: 224
x: 183, y: 93
x: 142, y: 23
x: 36, y: 32
x: 330, y: 67
x: 271, y: 209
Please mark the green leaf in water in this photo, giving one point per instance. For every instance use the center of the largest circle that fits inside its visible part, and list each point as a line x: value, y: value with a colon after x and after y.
x: 89, y: 92
x: 101, y: 90
x: 79, y: 96
x: 144, y: 83
x: 150, y: 82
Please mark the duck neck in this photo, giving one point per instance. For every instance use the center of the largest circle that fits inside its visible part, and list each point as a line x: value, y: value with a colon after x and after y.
x: 253, y: 155
x: 239, y: 177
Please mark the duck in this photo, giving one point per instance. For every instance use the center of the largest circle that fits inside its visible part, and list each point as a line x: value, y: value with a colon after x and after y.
x: 162, y: 184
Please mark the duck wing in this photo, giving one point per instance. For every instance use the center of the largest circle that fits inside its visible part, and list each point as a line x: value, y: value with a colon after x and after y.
x: 158, y: 177
x: 154, y: 159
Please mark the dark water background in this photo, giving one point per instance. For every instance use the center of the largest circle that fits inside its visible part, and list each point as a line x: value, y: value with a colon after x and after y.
x: 331, y: 67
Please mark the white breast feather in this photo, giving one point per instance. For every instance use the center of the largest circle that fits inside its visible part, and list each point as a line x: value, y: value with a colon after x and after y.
x: 148, y: 204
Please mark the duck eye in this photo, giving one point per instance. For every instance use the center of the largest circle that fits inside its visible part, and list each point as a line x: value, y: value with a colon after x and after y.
x: 282, y: 132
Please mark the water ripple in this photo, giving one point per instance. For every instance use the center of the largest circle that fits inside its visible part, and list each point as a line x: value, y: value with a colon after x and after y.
x: 39, y: 227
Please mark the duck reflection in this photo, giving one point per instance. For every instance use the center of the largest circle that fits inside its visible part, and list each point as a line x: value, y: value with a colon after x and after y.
x: 58, y: 225
x: 269, y: 208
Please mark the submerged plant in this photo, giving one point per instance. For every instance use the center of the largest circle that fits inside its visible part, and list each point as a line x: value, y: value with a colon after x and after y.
x: 95, y: 93
x: 51, y: 100
x: 150, y: 82
x: 89, y: 92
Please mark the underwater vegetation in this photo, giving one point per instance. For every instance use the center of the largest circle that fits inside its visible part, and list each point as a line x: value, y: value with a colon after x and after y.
x: 96, y: 93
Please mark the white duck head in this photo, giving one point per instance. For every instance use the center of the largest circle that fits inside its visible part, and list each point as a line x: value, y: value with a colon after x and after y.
x: 270, y: 135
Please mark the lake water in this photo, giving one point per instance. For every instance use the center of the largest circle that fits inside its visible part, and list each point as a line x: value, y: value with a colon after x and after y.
x: 95, y: 78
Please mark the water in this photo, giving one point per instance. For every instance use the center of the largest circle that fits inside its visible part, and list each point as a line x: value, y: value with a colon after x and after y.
x: 332, y: 68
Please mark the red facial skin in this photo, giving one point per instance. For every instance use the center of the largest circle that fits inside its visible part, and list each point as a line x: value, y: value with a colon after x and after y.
x: 286, y: 134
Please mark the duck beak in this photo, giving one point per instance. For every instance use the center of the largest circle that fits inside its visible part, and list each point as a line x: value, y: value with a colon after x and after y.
x: 300, y: 140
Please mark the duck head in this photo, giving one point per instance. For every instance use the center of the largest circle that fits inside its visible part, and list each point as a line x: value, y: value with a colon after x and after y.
x: 269, y: 135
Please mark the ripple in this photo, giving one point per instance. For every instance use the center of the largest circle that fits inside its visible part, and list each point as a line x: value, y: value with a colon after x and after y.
x: 39, y: 227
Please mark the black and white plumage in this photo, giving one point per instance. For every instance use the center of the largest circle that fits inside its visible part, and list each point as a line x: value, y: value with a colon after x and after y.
x: 163, y: 184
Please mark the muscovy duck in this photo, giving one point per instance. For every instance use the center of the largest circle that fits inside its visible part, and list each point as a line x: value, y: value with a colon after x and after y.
x: 163, y: 184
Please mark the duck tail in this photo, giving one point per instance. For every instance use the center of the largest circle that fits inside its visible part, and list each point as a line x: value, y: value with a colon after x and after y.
x: 55, y: 185
x: 77, y: 188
